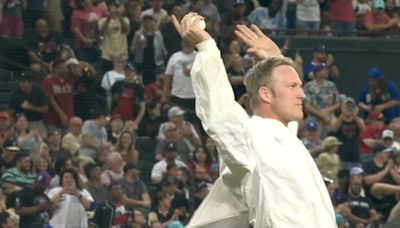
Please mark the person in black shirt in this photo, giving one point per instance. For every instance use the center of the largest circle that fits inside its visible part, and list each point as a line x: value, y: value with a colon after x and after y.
x: 30, y: 100
x: 7, y: 160
x: 380, y: 182
x: 359, y: 208
x: 347, y: 127
x: 32, y: 204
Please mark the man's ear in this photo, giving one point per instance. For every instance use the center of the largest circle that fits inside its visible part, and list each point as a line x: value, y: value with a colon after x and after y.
x: 265, y: 94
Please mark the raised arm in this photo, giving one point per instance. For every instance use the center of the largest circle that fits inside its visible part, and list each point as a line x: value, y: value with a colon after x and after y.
x: 222, y: 117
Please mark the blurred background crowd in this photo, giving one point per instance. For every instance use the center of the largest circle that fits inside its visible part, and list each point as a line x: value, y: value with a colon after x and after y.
x: 98, y: 127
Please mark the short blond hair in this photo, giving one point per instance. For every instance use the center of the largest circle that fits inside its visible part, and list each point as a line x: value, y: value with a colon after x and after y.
x: 261, y: 75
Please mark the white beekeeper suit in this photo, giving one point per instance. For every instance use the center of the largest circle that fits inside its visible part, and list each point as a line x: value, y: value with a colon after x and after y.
x: 269, y: 177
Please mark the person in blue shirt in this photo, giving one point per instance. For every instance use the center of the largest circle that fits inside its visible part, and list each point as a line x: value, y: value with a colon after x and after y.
x: 321, y: 55
x: 380, y: 95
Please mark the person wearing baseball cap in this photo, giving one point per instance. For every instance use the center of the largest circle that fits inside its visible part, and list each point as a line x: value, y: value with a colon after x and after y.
x: 370, y: 136
x: 388, y: 140
x: 379, y: 95
x: 321, y: 55
x: 329, y: 160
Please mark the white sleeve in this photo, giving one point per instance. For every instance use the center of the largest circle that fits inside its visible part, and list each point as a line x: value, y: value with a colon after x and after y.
x: 224, y: 120
x: 53, y: 192
x: 85, y: 193
x: 156, y: 171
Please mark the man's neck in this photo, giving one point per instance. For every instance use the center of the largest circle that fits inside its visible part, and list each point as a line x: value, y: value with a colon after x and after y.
x: 130, y: 179
x: 22, y: 172
x: 95, y: 182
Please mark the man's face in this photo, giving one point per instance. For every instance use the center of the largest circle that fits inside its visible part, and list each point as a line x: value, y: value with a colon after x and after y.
x: 24, y: 164
x: 170, y: 155
x: 24, y: 85
x: 54, y: 139
x: 356, y: 187
x: 320, y: 56
x: 62, y: 70
x: 117, y: 192
x: 41, y: 28
x: 322, y: 74
x: 239, y: 9
x: 287, y: 95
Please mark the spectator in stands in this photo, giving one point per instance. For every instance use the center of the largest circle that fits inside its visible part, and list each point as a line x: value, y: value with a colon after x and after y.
x: 26, y: 137
x: 32, y: 204
x: 371, y: 135
x: 7, y: 221
x: 128, y: 97
x: 186, y: 130
x: 388, y: 141
x: 151, y: 121
x: 59, y: 88
x: 201, y: 164
x: 308, y: 15
x: 329, y: 161
x: 377, y: 21
x: 234, y: 47
x: 311, y: 139
x: 148, y: 49
x: 70, y: 201
x: 212, y: 149
x: 171, y: 37
x: 21, y: 174
x: 59, y: 166
x: 71, y: 141
x: 112, y: 76
x: 236, y: 73
x: 165, y: 213
x: 7, y: 161
x: 380, y: 95
x: 170, y: 153
x: 126, y: 147
x: 55, y: 150
x: 236, y: 15
x: 115, y: 129
x: 154, y: 90
x: 359, y: 209
x: 268, y: 18
x: 114, y: 29
x: 42, y: 164
x: 343, y: 16
x: 94, y: 134
x: 178, y: 83
x: 55, y: 14
x: 33, y: 11
x: 137, y: 196
x: 156, y: 11
x: 6, y: 130
x: 213, y: 18
x: 42, y: 47
x: 30, y: 100
x: 133, y: 12
x: 322, y: 98
x: 114, y: 170
x: 347, y: 127
x: 178, y: 200
x: 321, y: 55
x: 11, y: 23
x: 84, y: 26
x: 96, y: 189
x: 113, y: 212
x: 381, y: 181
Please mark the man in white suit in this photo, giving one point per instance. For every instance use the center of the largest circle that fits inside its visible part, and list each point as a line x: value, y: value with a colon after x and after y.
x: 270, y: 179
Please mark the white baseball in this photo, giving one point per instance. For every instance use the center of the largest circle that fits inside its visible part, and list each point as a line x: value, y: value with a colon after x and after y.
x: 201, y: 23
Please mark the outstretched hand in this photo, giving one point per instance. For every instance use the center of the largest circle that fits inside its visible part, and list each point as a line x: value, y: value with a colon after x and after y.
x: 188, y: 30
x: 259, y: 44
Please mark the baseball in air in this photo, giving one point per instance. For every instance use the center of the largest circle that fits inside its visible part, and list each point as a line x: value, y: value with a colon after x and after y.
x: 201, y: 23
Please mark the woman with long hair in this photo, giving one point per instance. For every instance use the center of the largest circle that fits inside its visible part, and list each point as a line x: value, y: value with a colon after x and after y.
x: 26, y: 137
x: 200, y: 166
x: 148, y: 49
x: 126, y: 147
x: 70, y: 201
x: 41, y: 164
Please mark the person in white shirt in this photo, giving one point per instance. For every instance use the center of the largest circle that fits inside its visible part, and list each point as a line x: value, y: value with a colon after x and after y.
x: 112, y: 76
x: 268, y: 178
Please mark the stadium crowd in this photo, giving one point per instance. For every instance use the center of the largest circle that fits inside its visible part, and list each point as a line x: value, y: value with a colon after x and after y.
x: 101, y: 130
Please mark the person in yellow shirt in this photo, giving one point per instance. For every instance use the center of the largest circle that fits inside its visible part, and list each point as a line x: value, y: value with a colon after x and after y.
x: 329, y: 160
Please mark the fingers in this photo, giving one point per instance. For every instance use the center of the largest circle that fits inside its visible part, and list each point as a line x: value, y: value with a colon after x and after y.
x: 176, y: 24
x: 257, y: 31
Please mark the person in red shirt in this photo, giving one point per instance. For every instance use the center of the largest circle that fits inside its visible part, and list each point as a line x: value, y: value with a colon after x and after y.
x: 343, y: 15
x: 59, y: 88
x: 377, y: 21
x: 154, y: 90
x: 128, y: 97
x: 370, y: 137
x: 84, y: 26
